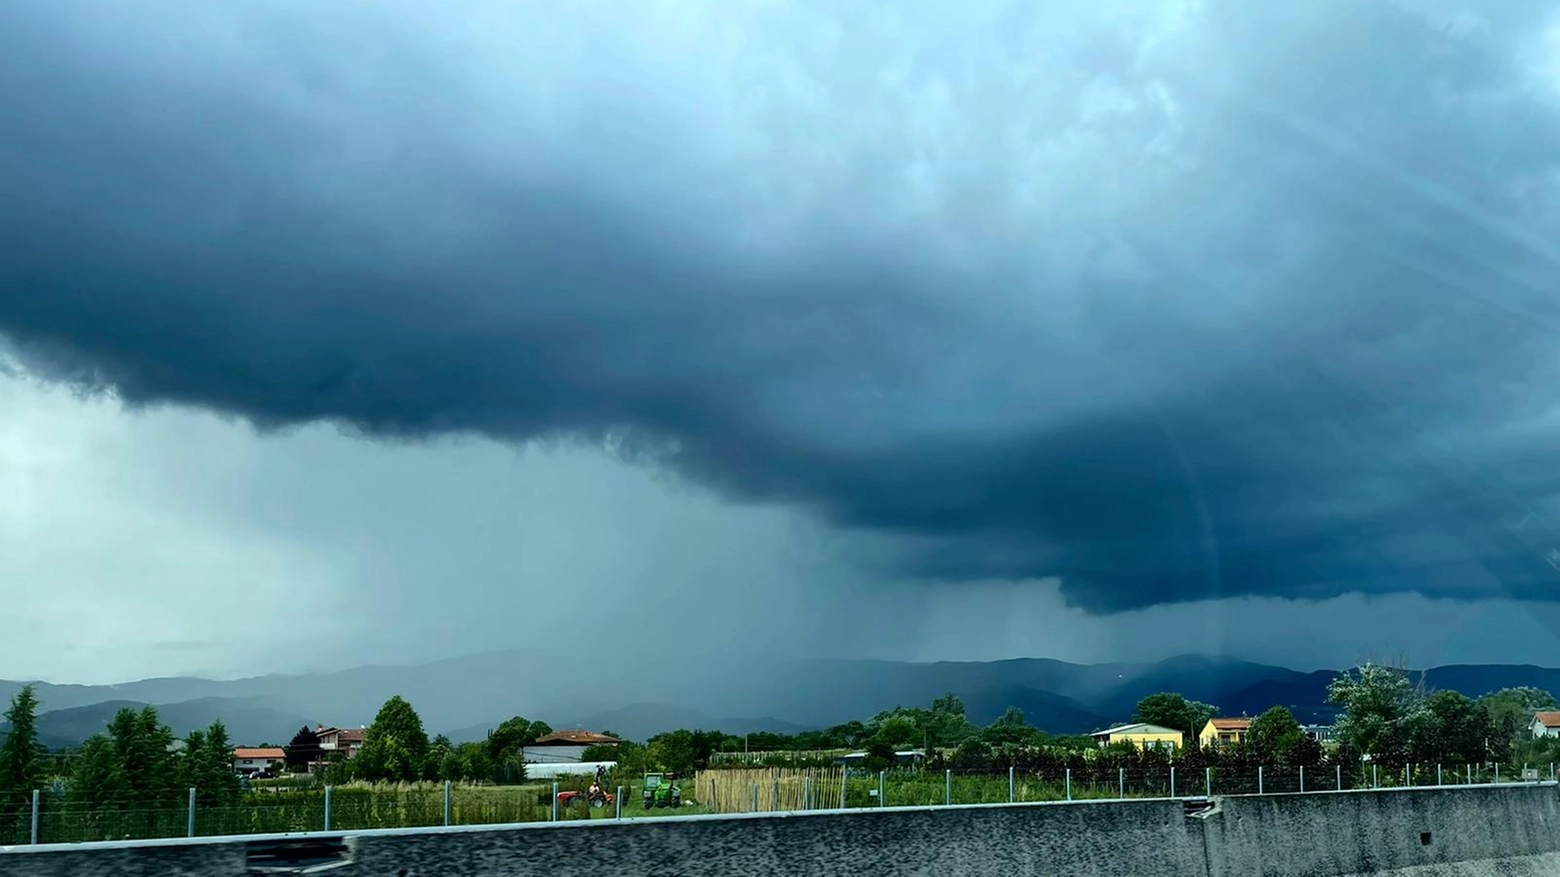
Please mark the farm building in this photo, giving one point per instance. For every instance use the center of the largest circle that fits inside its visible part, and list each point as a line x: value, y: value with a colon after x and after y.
x: 1319, y: 733
x: 1141, y: 735
x: 553, y: 770
x: 905, y: 756
x: 562, y: 747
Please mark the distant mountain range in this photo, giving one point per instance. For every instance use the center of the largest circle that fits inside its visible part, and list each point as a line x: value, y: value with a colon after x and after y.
x: 464, y: 697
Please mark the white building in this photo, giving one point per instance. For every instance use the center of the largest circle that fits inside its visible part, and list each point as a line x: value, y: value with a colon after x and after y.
x: 564, y: 747
x: 249, y: 760
x: 1546, y: 724
x: 346, y: 740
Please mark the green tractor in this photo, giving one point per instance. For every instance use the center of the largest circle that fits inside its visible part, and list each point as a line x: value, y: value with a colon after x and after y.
x: 661, y: 790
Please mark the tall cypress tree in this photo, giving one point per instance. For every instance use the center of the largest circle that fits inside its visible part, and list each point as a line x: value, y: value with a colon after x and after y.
x: 221, y: 786
x: 21, y: 756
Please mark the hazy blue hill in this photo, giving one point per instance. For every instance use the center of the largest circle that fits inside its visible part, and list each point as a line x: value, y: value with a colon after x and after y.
x: 475, y: 692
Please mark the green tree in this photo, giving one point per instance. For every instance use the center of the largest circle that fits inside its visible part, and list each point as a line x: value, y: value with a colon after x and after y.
x: 676, y: 751
x: 1454, y: 728
x: 602, y: 752
x: 339, y: 769
x: 508, y: 739
x: 98, y: 786
x: 396, y: 746
x: 219, y: 785
x: 898, y: 731
x: 946, y: 724
x: 303, y: 750
x: 144, y: 746
x: 22, y: 757
x: 1010, y: 730
x: 1511, y: 709
x: 1383, y: 708
x: 632, y: 759
x: 880, y: 756
x: 1171, y: 710
x: 1273, y: 734
x: 1306, y: 752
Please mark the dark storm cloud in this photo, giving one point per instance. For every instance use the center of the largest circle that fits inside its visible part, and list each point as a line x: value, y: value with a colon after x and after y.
x: 1281, y: 319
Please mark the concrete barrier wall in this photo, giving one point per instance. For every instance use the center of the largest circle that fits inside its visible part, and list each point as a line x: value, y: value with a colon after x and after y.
x: 1371, y: 832
x: 1317, y: 834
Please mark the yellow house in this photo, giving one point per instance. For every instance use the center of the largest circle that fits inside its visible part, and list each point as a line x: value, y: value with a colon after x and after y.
x: 1141, y: 735
x: 1219, y: 731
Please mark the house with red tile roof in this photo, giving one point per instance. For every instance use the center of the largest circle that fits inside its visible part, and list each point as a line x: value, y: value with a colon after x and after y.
x: 249, y: 759
x: 565, y: 746
x: 345, y: 740
x: 1220, y: 732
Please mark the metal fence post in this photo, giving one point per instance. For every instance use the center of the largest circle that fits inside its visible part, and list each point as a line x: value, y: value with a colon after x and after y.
x: 774, y: 800
x: 619, y: 801
x: 1470, y: 773
x: 1068, y: 780
x: 1338, y: 777
x: 555, y: 801
x: 1438, y: 776
x: 447, y: 802
x: 327, y: 808
x: 1259, y: 779
x: 948, y: 787
x: 189, y: 830
x: 1208, y: 783
x: 1375, y: 778
x: 1121, y: 783
x: 1172, y: 781
x: 844, y: 781
x: 1010, y: 784
x: 755, y: 797
x: 807, y: 792
x: 1408, y: 775
x: 1302, y: 779
x: 882, y: 793
x: 35, y: 816
x: 1497, y: 771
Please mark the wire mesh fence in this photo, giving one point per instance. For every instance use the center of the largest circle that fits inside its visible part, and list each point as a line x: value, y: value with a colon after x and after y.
x: 60, y: 818
x: 767, y: 789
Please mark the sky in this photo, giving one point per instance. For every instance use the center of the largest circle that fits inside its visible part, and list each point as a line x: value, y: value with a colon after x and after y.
x: 347, y: 333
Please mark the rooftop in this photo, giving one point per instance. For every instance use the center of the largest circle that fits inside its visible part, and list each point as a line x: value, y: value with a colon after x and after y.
x: 271, y: 752
x: 1231, y: 724
x: 1135, y: 728
x: 1548, y: 718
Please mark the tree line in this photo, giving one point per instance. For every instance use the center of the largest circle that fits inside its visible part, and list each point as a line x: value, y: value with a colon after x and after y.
x: 397, y: 748
x: 136, y: 764
x: 1386, y: 715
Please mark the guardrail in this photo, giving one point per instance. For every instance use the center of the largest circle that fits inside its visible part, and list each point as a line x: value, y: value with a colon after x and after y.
x: 1333, y: 833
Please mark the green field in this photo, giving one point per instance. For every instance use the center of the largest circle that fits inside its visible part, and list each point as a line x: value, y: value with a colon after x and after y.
x: 276, y: 808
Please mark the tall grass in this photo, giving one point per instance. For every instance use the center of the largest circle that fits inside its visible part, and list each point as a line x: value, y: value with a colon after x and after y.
x: 733, y: 790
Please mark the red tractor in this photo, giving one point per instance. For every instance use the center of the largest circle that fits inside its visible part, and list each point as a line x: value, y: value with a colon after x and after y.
x: 596, y: 796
